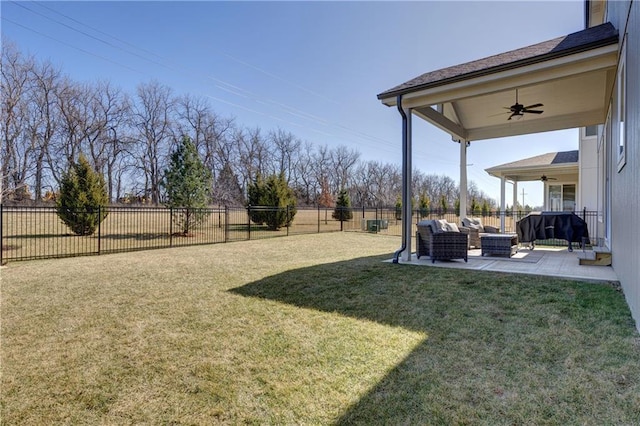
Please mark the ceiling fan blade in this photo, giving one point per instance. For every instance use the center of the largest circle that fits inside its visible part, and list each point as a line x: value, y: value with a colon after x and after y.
x: 532, y: 111
x: 533, y: 106
x: 501, y: 113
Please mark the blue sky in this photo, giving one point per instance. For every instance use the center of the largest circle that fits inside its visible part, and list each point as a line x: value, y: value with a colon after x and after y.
x: 312, y: 68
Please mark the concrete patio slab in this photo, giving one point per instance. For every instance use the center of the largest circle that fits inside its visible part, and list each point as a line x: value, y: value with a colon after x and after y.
x: 546, y: 261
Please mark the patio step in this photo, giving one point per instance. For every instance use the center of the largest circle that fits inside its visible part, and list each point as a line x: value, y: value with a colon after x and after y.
x: 598, y: 256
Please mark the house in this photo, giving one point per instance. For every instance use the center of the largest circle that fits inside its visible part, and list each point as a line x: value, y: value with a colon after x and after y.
x: 588, y: 80
x: 557, y: 170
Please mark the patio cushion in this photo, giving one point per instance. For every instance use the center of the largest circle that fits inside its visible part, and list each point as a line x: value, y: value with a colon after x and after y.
x: 473, y: 223
x: 452, y: 227
x: 439, y: 225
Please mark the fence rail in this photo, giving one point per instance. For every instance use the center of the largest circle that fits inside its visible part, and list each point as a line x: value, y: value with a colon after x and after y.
x: 38, y: 233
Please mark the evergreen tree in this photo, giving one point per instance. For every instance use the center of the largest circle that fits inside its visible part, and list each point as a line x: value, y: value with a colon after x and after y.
x: 271, y: 202
x: 398, y: 208
x: 444, y: 206
x: 486, y: 209
x: 423, y: 205
x: 83, y: 198
x: 456, y: 207
x: 475, y: 207
x: 187, y: 183
x: 343, y: 211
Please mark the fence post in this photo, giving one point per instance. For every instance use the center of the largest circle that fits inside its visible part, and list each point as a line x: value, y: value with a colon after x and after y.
x: 249, y: 223
x: 171, y: 226
x: 318, y: 218
x: 226, y: 224
x: 1, y: 232
x: 99, y: 229
x: 287, y: 220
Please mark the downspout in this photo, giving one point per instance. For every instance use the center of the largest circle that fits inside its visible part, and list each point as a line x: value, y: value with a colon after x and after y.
x: 587, y: 7
x: 405, y: 193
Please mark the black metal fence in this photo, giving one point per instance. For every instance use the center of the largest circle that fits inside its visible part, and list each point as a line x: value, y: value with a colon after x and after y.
x: 38, y: 233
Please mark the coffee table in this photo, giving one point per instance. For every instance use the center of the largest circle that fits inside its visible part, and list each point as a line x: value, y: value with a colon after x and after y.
x: 499, y: 244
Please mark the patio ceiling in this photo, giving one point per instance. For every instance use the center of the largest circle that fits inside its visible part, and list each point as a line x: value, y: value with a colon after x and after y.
x: 571, y: 76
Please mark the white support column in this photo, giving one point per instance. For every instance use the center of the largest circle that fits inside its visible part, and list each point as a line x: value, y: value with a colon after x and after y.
x: 407, y: 218
x: 503, y: 207
x: 515, y: 201
x: 463, y: 179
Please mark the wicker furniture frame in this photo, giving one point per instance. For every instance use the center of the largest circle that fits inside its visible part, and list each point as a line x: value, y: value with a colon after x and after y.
x: 442, y: 245
x: 499, y: 244
x: 474, y: 232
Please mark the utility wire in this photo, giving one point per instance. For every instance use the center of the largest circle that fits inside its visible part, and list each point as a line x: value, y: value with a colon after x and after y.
x: 223, y: 85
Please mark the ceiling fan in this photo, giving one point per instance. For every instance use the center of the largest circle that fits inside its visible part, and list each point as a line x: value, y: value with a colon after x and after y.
x: 544, y: 178
x: 518, y: 110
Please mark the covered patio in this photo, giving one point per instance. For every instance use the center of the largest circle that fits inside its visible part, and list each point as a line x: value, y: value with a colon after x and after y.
x: 553, y: 85
x: 548, y: 261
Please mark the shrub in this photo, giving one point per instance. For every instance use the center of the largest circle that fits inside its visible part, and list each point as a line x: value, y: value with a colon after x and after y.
x: 271, y: 202
x: 343, y: 211
x: 82, y: 202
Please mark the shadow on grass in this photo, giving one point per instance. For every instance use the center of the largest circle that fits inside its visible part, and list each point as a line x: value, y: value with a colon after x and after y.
x: 40, y: 236
x: 144, y: 236
x: 500, y: 348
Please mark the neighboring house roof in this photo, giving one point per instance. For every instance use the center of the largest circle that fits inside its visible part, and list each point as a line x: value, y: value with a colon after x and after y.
x: 601, y: 35
x: 543, y: 160
x: 565, y: 160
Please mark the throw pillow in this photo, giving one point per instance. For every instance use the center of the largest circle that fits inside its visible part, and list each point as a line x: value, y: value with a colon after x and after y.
x: 439, y: 226
x: 452, y: 227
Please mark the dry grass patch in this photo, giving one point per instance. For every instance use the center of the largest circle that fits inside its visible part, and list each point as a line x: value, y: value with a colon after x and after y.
x: 308, y: 330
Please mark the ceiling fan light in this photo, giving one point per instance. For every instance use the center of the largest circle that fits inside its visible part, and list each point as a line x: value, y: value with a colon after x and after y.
x: 518, y: 116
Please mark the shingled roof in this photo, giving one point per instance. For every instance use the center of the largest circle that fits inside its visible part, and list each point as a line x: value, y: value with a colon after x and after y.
x: 544, y: 160
x: 590, y: 38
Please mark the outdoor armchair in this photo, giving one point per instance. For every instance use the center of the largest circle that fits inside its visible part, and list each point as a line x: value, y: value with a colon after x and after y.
x: 441, y: 240
x: 475, y: 227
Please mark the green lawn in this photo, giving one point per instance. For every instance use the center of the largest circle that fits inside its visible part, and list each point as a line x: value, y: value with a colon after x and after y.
x: 312, y: 329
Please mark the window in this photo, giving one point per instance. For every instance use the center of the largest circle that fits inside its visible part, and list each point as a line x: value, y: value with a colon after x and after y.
x: 590, y: 131
x: 621, y: 83
x: 562, y: 197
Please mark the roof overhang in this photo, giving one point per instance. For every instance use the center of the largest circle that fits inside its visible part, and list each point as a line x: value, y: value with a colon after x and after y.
x: 573, y: 84
x: 554, y: 165
x: 534, y: 173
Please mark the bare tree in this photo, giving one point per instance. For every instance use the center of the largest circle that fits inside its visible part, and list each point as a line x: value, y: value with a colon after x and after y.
x: 286, y: 152
x: 42, y: 124
x: 152, y: 122
x: 108, y: 141
x: 320, y: 168
x: 209, y: 132
x: 16, y: 148
x: 254, y: 156
x: 376, y: 184
x: 304, y: 179
x: 341, y: 161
